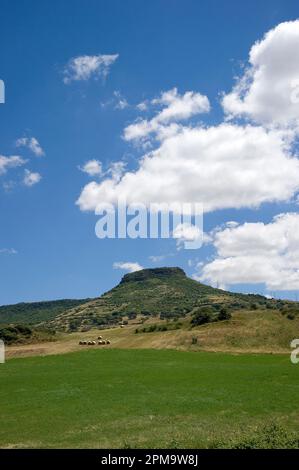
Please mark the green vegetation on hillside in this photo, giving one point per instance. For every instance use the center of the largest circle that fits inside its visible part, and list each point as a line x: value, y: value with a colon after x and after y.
x: 165, y: 293
x: 22, y: 334
x: 150, y: 399
x: 32, y: 313
x: 159, y: 327
x: 209, y: 314
x: 162, y: 293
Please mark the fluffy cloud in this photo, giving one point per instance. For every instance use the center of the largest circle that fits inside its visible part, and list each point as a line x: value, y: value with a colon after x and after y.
x: 10, y: 162
x: 92, y: 167
x: 179, y: 107
x: 256, y: 253
x: 84, y: 67
x: 176, y: 108
x: 224, y: 166
x: 31, y: 178
x: 268, y: 91
x: 128, y: 266
x: 116, y: 170
x: 31, y: 143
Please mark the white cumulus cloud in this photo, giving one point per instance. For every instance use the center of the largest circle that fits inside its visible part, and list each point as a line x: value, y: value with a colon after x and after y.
x: 128, y: 266
x: 268, y: 91
x: 92, y: 167
x: 225, y: 166
x: 176, y: 107
x: 84, y: 67
x: 256, y: 253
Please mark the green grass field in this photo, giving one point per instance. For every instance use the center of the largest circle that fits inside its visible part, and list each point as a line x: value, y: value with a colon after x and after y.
x: 144, y: 398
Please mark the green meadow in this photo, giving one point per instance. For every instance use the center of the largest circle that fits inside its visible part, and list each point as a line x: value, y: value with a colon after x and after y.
x: 148, y: 398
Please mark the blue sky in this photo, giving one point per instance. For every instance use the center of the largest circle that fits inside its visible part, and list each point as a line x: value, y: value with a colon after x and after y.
x: 48, y: 248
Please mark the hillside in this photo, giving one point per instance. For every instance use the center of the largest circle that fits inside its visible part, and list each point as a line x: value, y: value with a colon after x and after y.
x: 162, y: 293
x: 248, y: 331
x: 32, y: 313
x: 166, y: 293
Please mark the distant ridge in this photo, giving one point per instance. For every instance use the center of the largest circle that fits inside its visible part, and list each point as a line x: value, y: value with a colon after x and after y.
x: 165, y: 292
x: 35, y: 312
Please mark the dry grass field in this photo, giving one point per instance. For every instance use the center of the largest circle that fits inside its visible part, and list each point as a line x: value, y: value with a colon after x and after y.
x: 258, y: 331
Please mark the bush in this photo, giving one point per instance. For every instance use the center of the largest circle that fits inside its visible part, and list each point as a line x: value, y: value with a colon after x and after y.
x: 224, y: 314
x: 271, y: 436
x: 163, y: 328
x: 132, y: 315
x: 203, y: 315
x: 74, y: 324
x: 152, y: 328
x: 23, y: 330
x: 15, y: 334
x: 146, y: 313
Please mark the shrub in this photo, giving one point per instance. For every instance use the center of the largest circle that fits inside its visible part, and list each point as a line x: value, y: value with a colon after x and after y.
x: 74, y: 324
x: 271, y: 436
x: 224, y: 314
x: 145, y: 312
x: 163, y: 328
x: 23, y: 330
x: 132, y: 315
x: 15, y: 334
x: 152, y: 328
x: 204, y: 315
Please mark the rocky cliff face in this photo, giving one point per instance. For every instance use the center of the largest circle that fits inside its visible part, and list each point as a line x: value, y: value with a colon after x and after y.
x: 156, y: 273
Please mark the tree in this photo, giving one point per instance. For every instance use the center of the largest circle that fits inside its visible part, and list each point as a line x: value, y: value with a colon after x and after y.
x: 203, y: 315
x: 224, y: 314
